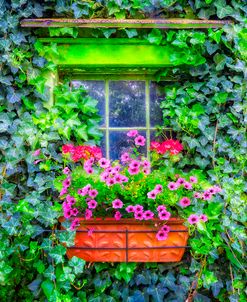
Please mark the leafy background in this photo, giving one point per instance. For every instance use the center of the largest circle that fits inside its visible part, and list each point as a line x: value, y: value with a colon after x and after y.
x: 206, y: 107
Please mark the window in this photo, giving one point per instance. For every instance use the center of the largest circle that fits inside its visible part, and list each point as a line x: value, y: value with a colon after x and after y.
x: 124, y: 104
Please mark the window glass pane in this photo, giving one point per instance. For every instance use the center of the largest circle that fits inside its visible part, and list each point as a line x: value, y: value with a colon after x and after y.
x: 156, y: 96
x: 120, y: 143
x: 103, y: 144
x: 95, y: 89
x: 127, y: 103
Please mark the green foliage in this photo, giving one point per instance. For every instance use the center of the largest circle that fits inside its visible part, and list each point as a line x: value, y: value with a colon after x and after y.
x: 207, y: 109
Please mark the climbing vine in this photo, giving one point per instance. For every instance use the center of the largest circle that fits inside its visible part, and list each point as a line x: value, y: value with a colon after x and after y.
x: 205, y: 106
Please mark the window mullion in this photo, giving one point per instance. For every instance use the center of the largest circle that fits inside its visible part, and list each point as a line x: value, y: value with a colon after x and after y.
x: 147, y: 104
x: 107, y: 135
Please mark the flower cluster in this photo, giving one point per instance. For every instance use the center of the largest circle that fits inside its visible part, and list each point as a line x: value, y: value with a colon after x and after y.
x: 129, y: 188
x: 173, y: 146
x: 82, y: 152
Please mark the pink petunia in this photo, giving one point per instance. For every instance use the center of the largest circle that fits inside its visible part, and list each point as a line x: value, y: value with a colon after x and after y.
x: 187, y: 185
x: 146, y: 171
x: 197, y: 195
x: 217, y: 189
x: 180, y: 181
x: 93, y: 193
x: 110, y: 181
x: 164, y: 215
x: 74, y: 224
x: 159, y: 188
x: 161, y: 235
x: 133, y: 171
x: 146, y: 164
x: 70, y: 199
x: 67, y: 182
x: 88, y: 214
x: 90, y: 231
x: 67, y: 213
x: 140, y: 140
x: 104, y: 163
x: 138, y: 215
x: 130, y: 209
x: 74, y: 212
x: 92, y: 204
x: 117, y: 215
x: 104, y: 176
x: 165, y: 228
x: 63, y: 191
x: 66, y: 206
x: 206, y: 195
x: 134, y: 164
x: 148, y: 215
x: 116, y: 169
x: 193, y: 219
x: 66, y: 170
x: 172, y: 186
x: 193, y: 179
x: 211, y: 190
x: 36, y: 152
x: 125, y: 157
x: 124, y: 178
x: 152, y: 194
x: 117, y: 204
x: 161, y: 208
x: 184, y: 202
x: 203, y: 217
x: 118, y: 179
x: 138, y: 208
x: 89, y: 170
x: 132, y: 133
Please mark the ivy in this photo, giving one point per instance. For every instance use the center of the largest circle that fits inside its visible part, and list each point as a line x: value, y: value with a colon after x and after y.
x: 206, y: 107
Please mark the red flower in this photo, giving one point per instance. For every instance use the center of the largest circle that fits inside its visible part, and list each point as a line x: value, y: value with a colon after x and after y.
x: 174, y: 146
x: 67, y: 148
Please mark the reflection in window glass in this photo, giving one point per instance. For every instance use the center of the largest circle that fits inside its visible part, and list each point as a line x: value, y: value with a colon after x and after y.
x: 127, y: 103
x: 95, y: 89
x: 119, y: 144
x: 156, y: 96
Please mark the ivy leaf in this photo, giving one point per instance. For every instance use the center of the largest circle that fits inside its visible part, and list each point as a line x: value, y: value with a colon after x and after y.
x: 82, y: 132
x: 77, y: 264
x: 6, y: 80
x: 11, y: 226
x: 157, y: 292
x: 107, y: 32
x: 57, y: 253
x: 223, y: 10
x: 155, y: 37
x: 221, y: 97
x: 131, y: 32
x: 80, y: 9
x: 48, y: 288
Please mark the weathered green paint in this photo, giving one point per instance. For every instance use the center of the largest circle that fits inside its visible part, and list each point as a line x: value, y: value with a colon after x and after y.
x: 125, y: 23
x: 100, y: 55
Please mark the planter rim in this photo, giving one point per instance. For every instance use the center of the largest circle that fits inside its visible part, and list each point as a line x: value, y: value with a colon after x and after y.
x: 111, y: 221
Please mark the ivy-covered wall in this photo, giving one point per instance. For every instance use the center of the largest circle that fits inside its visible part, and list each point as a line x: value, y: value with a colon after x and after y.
x: 206, y: 106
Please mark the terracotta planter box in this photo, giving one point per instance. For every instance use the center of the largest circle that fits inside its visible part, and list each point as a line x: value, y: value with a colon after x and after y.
x: 128, y: 240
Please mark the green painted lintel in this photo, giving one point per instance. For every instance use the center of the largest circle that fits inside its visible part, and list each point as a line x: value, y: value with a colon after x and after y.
x: 94, y: 55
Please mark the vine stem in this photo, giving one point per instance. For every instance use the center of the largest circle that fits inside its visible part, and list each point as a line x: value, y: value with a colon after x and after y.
x: 214, y: 143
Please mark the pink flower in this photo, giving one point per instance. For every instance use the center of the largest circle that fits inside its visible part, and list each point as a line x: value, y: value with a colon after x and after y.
x: 88, y: 214
x: 116, y: 169
x: 74, y: 224
x: 67, y: 213
x: 70, y: 199
x: 117, y: 204
x: 203, y: 217
x: 172, y: 186
x: 188, y: 186
x: 146, y: 171
x: 206, y: 196
x: 140, y: 140
x: 193, y: 179
x: 165, y: 228
x: 132, y: 133
x: 104, y: 163
x: 125, y: 157
x: 67, y: 182
x: 89, y: 170
x: 138, y: 208
x: 66, y: 170
x: 74, y: 212
x: 158, y: 188
x: 90, y: 231
x: 184, y: 202
x: 193, y: 219
x: 148, y: 215
x: 93, y: 193
x: 146, y: 164
x: 161, y: 208
x: 217, y: 189
x: 133, y: 171
x: 104, y: 176
x: 180, y: 181
x: 36, y: 152
x: 134, y: 164
x: 118, y: 179
x: 138, y: 215
x: 63, y: 191
x: 66, y: 206
x: 124, y: 178
x: 211, y: 190
x: 130, y: 209
x: 92, y: 204
x: 152, y: 194
x: 161, y: 235
x: 110, y: 181
x: 164, y: 215
x: 117, y: 215
x: 37, y: 161
x: 197, y: 195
